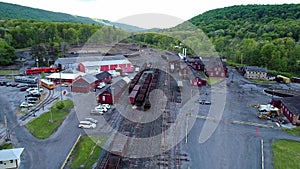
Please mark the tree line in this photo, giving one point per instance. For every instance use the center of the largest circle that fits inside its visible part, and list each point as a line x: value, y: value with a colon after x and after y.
x: 49, y: 38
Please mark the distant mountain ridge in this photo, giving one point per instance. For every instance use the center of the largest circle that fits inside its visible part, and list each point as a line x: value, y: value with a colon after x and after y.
x: 13, y: 11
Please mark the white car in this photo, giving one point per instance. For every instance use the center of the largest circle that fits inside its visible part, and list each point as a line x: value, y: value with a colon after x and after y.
x: 25, y: 105
x: 34, y: 89
x: 34, y: 92
x: 91, y: 120
x: 87, y: 125
x: 101, y: 108
x: 106, y: 106
x: 101, y: 85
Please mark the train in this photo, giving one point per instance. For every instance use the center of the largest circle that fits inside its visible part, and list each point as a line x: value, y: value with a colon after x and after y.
x: 38, y: 70
x: 282, y: 79
x: 141, y: 86
x: 47, y: 84
x: 26, y: 79
x: 295, y: 79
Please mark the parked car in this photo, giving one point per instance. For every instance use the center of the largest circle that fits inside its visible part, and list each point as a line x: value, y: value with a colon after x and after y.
x: 14, y: 84
x: 101, y: 85
x: 2, y: 83
x: 91, y: 120
x: 35, y: 89
x: 204, y: 102
x: 32, y: 98
x: 23, y: 89
x: 25, y: 105
x: 8, y: 84
x: 86, y: 124
x: 100, y: 108
x: 34, y: 95
x: 31, y: 101
x: 107, y: 106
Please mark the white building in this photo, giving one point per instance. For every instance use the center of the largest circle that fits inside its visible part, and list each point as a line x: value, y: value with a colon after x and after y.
x: 10, y: 158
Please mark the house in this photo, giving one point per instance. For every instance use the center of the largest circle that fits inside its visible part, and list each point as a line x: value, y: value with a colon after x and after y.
x: 290, y: 107
x: 84, y: 84
x: 111, y: 94
x: 196, y: 63
x: 103, y: 77
x: 214, y: 67
x: 10, y: 158
x: 254, y: 72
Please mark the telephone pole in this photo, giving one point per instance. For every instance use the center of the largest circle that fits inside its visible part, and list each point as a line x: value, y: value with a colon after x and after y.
x: 7, y: 136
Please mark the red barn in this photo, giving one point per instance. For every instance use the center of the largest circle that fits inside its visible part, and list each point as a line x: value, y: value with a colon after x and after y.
x: 112, y: 93
x: 84, y: 84
x: 290, y: 107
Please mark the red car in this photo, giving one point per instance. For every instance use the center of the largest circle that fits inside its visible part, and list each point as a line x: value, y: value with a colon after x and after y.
x: 14, y: 84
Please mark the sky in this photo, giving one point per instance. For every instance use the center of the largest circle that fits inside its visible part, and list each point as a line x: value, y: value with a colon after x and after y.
x: 142, y: 13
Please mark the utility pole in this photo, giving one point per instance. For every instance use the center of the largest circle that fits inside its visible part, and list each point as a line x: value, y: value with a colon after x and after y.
x: 7, y: 136
x: 60, y: 85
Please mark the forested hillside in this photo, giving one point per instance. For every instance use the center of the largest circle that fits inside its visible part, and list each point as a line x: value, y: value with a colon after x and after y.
x: 50, y: 38
x: 263, y: 35
x: 12, y: 11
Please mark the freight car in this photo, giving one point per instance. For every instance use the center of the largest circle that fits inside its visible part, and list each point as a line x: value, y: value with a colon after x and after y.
x: 26, y: 79
x: 295, y: 79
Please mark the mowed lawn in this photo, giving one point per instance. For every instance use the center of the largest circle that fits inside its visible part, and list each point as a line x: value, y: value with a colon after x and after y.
x: 47, y: 123
x: 86, y: 152
x: 286, y: 154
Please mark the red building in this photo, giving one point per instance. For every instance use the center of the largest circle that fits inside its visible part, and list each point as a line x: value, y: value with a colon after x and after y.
x: 290, y: 107
x: 197, y: 81
x: 106, y: 65
x: 215, y: 67
x: 112, y: 93
x: 103, y: 77
x: 84, y: 84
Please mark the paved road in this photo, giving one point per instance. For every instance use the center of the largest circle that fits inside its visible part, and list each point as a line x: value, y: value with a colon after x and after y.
x: 234, y: 145
x: 47, y: 153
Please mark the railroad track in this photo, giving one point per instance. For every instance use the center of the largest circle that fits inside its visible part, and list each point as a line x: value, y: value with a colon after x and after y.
x: 47, y: 100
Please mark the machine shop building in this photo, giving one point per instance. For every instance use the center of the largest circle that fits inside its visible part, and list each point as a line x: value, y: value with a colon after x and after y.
x: 84, y: 84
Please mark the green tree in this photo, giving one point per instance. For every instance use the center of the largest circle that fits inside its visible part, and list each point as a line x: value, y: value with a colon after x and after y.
x: 7, y: 53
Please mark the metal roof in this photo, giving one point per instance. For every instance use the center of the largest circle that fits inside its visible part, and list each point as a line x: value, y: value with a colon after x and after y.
x: 10, y: 154
x: 255, y: 69
x: 65, y: 75
x: 293, y: 104
x: 89, y: 78
x: 102, y: 75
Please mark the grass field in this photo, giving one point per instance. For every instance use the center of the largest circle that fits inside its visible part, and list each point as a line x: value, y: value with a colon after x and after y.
x: 47, y: 123
x: 295, y: 131
x: 8, y: 72
x: 86, y: 152
x: 212, y: 80
x: 6, y: 146
x: 286, y: 154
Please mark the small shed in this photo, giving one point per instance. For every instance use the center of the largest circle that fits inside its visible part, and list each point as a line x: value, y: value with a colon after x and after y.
x: 10, y: 158
x: 197, y: 81
x: 84, y: 84
x: 112, y: 93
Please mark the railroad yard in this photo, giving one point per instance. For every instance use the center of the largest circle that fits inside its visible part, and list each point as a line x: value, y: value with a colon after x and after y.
x: 157, y: 123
